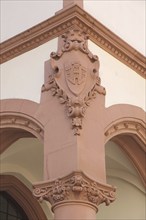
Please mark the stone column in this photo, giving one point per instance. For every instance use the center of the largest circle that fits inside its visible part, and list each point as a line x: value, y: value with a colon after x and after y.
x: 73, y: 102
x: 75, y: 196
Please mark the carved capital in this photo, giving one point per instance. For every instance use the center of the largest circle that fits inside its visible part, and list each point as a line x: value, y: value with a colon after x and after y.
x: 76, y: 187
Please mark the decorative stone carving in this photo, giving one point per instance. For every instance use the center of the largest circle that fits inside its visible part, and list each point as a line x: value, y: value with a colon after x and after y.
x: 126, y: 126
x: 22, y: 122
x: 75, y: 40
x: 76, y: 186
x: 73, y: 76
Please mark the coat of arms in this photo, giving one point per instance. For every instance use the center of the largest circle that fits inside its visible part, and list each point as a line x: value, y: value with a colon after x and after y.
x: 76, y: 76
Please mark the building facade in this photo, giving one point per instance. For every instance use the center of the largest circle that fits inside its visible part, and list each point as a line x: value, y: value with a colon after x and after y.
x: 73, y: 128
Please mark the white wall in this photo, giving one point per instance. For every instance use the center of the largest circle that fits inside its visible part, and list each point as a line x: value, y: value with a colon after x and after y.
x: 125, y: 18
x: 19, y: 15
x: 123, y: 85
x: 23, y: 76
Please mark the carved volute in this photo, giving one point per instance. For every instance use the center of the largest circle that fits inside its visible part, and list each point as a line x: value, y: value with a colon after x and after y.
x: 75, y: 187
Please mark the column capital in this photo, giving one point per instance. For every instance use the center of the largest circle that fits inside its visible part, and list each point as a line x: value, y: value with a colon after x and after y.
x: 74, y: 188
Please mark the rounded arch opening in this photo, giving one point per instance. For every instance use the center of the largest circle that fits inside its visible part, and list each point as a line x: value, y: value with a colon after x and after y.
x: 18, y: 125
x: 20, y: 133
x: 125, y: 125
x: 130, y: 136
x: 130, y: 191
x: 10, y: 208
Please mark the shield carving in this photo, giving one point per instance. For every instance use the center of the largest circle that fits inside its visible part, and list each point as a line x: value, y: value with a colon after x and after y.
x: 76, y: 76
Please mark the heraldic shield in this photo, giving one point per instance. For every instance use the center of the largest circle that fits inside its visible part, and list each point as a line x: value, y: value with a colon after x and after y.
x: 76, y: 76
x: 75, y: 67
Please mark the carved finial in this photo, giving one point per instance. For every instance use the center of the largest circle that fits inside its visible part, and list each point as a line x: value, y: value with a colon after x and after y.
x: 68, y: 3
x: 76, y: 40
x: 75, y: 35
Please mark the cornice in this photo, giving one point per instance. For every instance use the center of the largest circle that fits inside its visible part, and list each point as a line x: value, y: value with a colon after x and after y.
x: 68, y: 19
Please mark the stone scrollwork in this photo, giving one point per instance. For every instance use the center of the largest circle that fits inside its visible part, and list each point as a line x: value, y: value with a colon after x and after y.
x: 127, y: 125
x: 76, y: 186
x: 74, y: 40
x: 74, y: 77
x: 75, y: 106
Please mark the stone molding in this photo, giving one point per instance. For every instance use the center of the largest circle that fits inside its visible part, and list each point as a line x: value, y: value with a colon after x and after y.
x: 69, y: 19
x: 126, y: 126
x: 78, y: 77
x: 23, y: 196
x: 19, y: 120
x: 76, y: 187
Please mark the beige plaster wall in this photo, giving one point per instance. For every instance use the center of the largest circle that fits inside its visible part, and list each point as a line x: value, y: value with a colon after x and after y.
x: 130, y: 194
x: 129, y: 205
x: 24, y: 159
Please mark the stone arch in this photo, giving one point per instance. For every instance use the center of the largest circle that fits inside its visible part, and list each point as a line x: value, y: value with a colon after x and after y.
x: 131, y: 126
x: 17, y: 121
x: 23, y: 196
x: 125, y: 125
